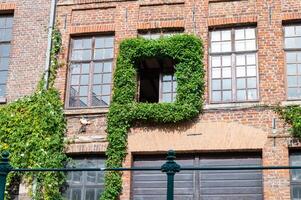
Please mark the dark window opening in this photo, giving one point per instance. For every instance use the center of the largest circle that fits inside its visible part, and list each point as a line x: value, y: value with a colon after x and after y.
x: 157, y: 82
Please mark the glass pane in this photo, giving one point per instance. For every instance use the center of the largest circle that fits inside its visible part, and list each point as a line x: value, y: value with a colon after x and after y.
x: 226, y: 46
x: 227, y: 95
x: 216, y: 96
x: 251, y: 59
x: 240, y: 71
x: 83, y: 101
x: 90, y: 194
x: 85, y: 68
x: 77, y: 176
x: 76, y: 194
x: 84, y: 80
x: 250, y: 33
x: 108, y: 53
x: 86, y: 54
x: 96, y: 90
x: 105, y: 100
x: 226, y: 60
x: 289, y: 31
x: 251, y: 71
x: 250, y: 45
x: 239, y: 34
x: 4, y: 50
x: 216, y: 47
x: 241, y: 95
x: 97, y: 79
x: 96, y: 100
x: 107, y: 67
x: 240, y: 45
x: 240, y: 60
x: 2, y: 90
x: 100, y: 177
x: 75, y: 80
x: 166, y: 87
x: 167, y: 98
x: 252, y: 94
x: 77, y: 55
x: 292, y: 81
x: 251, y: 83
x: 91, y: 177
x: 227, y: 72
x: 241, y: 83
x: 299, y: 57
x: 106, y: 90
x: 290, y: 43
x: 75, y: 69
x: 291, y: 57
x: 109, y: 42
x: 4, y: 64
x: 87, y: 43
x: 226, y: 35
x: 7, y: 35
x: 298, y: 30
x: 293, y: 93
x: 291, y: 69
x: 216, y: 73
x: 296, y: 192
x: 99, y: 54
x: 83, y: 91
x: 216, y: 61
x: 2, y: 22
x: 74, y: 90
x: 167, y: 77
x: 216, y: 84
x: 9, y: 22
x: 215, y: 36
x: 3, y: 76
x: 227, y: 84
x: 175, y: 85
x: 99, y: 42
x: 106, y: 78
x: 98, y: 67
x: 77, y: 44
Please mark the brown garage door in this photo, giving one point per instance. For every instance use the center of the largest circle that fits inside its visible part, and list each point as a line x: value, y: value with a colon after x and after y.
x: 196, y: 185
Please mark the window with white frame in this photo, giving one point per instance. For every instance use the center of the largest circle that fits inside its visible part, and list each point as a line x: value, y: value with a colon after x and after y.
x: 233, y: 65
x: 90, y: 72
x: 6, y: 26
x: 292, y: 47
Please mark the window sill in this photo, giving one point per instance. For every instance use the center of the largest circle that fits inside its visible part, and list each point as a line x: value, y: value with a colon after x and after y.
x: 291, y: 102
x: 82, y: 111
x: 3, y: 100
x: 229, y: 106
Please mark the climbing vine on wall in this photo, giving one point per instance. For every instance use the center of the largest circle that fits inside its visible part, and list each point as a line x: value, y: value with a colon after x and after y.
x: 292, y: 115
x: 32, y: 129
x: 187, y: 52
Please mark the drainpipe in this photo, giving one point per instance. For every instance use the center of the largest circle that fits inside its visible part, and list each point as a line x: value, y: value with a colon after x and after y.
x: 49, y: 43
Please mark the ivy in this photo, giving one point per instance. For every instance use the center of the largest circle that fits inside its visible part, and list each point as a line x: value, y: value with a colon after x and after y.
x: 291, y: 115
x: 32, y: 129
x: 187, y: 52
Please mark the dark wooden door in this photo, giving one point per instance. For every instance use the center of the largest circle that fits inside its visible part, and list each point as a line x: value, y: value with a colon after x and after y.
x: 196, y: 185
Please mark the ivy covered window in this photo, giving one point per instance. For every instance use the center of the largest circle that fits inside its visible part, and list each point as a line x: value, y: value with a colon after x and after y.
x: 85, y: 185
x: 233, y: 65
x: 6, y: 25
x: 292, y: 46
x: 157, y: 33
x: 90, y: 75
x: 157, y: 81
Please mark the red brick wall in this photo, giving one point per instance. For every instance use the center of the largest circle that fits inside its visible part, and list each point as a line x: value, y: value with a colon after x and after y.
x: 28, y: 45
x: 125, y: 18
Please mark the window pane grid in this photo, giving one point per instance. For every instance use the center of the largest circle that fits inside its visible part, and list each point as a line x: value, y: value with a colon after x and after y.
x: 234, y: 73
x: 292, y: 42
x: 169, y: 88
x: 90, y: 85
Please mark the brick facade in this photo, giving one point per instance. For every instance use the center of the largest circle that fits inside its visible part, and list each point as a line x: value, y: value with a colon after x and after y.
x: 235, y: 127
x: 28, y: 45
